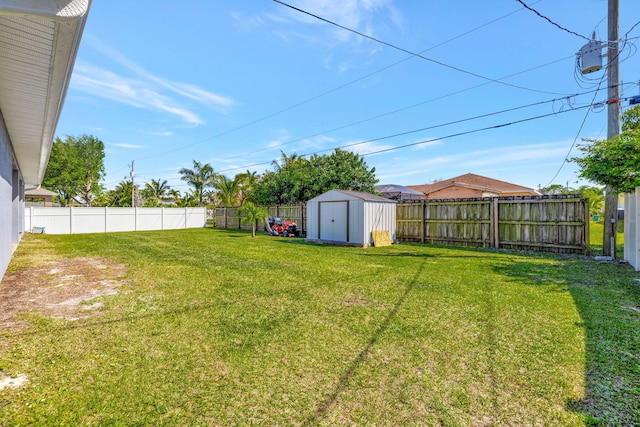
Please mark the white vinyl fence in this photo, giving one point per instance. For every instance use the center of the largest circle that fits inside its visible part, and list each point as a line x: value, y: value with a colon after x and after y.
x: 632, y: 228
x: 105, y: 220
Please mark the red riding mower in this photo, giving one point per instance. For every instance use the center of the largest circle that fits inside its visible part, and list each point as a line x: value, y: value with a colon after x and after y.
x: 278, y: 227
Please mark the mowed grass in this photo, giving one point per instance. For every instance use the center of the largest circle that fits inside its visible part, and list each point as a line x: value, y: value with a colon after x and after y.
x: 596, y: 238
x: 217, y: 328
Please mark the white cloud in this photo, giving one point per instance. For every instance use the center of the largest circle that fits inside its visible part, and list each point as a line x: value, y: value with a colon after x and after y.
x: 106, y: 84
x: 274, y: 144
x: 143, y: 89
x: 515, y: 160
x: 161, y: 133
x: 354, y: 14
x: 365, y: 148
x: 124, y: 145
x: 359, y: 15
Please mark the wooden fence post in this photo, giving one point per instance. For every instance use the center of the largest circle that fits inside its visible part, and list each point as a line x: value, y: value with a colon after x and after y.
x: 587, y: 226
x: 495, y: 223
x: 422, y: 224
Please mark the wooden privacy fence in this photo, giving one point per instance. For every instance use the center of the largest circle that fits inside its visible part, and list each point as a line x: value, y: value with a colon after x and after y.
x: 230, y: 217
x: 545, y: 223
x: 557, y: 224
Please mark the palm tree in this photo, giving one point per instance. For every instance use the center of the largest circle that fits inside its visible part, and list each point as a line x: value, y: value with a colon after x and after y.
x: 200, y: 178
x: 595, y: 196
x: 253, y: 214
x: 247, y: 182
x: 228, y: 191
x: 121, y: 195
x: 287, y: 161
x: 156, y: 190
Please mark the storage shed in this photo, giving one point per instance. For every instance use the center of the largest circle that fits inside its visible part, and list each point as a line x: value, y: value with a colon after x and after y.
x: 349, y: 217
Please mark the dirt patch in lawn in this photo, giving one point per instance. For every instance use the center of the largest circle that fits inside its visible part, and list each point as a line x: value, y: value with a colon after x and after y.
x: 65, y: 288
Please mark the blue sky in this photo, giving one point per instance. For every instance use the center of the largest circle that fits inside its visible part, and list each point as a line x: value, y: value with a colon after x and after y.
x: 232, y: 83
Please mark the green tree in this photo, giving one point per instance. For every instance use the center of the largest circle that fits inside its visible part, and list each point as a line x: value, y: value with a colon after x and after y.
x: 253, y: 214
x: 228, y: 193
x: 121, y: 195
x: 287, y: 161
x: 201, y: 178
x: 290, y: 183
x: 175, y: 196
x: 343, y: 170
x: 555, y: 189
x: 595, y: 196
x: 155, y: 191
x: 247, y: 182
x: 75, y: 168
x: 296, y: 179
x: 614, y: 163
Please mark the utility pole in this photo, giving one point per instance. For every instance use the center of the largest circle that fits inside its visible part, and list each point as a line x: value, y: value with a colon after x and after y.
x: 133, y: 187
x: 613, y: 126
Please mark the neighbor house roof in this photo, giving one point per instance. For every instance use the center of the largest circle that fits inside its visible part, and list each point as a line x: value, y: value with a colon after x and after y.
x: 39, y: 40
x: 39, y: 192
x: 476, y: 182
x: 399, y: 192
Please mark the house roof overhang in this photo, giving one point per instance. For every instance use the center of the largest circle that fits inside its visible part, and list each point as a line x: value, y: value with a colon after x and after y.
x: 39, y: 40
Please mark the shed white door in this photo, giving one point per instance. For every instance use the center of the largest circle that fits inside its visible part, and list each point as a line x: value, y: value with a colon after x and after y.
x: 333, y: 221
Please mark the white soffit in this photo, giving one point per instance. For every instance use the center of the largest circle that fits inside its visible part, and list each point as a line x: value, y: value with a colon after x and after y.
x: 39, y: 40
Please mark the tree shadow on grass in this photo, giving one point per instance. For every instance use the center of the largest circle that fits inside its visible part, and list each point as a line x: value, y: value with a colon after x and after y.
x: 343, y: 383
x: 608, y: 301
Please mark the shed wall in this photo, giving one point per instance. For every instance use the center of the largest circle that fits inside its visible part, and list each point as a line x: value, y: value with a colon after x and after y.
x: 364, y: 217
x: 356, y: 222
x: 379, y: 217
x: 313, y: 211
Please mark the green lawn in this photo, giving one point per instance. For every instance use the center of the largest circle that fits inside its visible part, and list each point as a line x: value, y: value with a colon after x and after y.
x: 213, y: 327
x: 596, y: 234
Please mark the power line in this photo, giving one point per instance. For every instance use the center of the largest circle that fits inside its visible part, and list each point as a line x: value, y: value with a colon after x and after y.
x: 550, y: 21
x: 554, y: 100
x: 452, y: 123
x: 472, y: 131
x: 584, y: 120
x: 388, y: 113
x: 313, y: 98
x: 412, y: 53
x: 631, y: 29
x: 424, y: 141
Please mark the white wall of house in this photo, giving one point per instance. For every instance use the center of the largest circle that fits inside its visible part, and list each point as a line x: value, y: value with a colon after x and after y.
x: 106, y: 220
x: 38, y: 52
x: 11, y: 200
x: 6, y: 191
x: 632, y: 229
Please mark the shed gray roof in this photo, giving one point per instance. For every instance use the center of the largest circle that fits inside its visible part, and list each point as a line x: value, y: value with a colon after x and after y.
x: 367, y: 197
